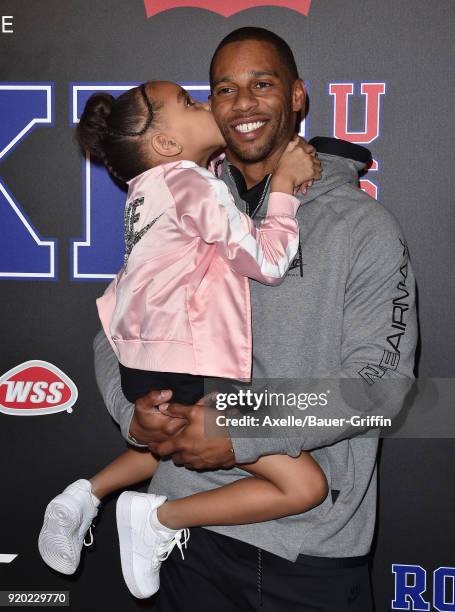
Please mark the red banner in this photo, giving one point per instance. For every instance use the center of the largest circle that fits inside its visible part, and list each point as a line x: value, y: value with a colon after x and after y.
x: 226, y: 9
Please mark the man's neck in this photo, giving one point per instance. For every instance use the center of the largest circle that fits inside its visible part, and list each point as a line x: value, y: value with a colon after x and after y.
x: 253, y: 173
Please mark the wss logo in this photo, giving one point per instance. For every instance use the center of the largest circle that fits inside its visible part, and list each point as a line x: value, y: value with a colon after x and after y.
x: 226, y: 9
x: 36, y: 387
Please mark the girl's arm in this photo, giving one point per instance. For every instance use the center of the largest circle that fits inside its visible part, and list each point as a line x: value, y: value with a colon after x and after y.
x: 130, y: 468
x: 206, y: 209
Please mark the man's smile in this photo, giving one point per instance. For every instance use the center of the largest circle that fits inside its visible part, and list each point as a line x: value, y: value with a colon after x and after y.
x: 248, y: 128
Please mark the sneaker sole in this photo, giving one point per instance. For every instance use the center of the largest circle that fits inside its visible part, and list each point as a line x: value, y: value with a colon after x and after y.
x: 123, y: 513
x: 57, y: 543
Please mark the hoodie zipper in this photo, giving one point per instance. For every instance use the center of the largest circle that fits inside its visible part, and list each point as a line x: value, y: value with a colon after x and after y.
x: 260, y: 203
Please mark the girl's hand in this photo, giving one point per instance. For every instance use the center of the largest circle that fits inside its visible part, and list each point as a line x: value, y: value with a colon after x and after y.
x: 297, y: 167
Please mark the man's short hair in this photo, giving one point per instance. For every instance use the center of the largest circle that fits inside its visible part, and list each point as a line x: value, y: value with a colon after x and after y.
x: 262, y: 35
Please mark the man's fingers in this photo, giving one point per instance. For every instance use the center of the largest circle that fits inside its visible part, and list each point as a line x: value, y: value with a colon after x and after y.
x: 179, y: 411
x: 153, y: 399
x: 174, y: 425
x: 150, y: 425
x: 163, y: 449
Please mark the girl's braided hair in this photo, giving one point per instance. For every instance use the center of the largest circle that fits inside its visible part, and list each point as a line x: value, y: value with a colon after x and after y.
x: 111, y: 129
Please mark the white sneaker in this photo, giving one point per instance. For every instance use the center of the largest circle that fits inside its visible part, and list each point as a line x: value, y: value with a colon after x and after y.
x: 66, y: 521
x: 144, y: 541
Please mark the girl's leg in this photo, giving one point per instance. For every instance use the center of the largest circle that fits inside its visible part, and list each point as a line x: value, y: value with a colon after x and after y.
x: 69, y: 515
x: 131, y: 467
x: 279, y: 486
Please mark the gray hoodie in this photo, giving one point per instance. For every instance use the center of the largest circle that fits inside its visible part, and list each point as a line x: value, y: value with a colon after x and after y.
x: 346, y: 310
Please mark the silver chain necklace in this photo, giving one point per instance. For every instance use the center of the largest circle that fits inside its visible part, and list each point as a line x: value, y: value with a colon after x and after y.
x: 264, y: 192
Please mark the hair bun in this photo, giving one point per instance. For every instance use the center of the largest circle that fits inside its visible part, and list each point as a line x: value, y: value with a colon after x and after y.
x: 91, y: 129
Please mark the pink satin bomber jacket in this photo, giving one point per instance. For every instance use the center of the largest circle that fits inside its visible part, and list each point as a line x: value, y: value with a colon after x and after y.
x: 181, y: 302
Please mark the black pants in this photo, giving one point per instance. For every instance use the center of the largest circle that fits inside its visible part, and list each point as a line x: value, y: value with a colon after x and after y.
x: 220, y: 574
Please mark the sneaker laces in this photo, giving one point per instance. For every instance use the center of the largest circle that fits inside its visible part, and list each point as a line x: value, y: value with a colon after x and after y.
x: 91, y: 536
x: 180, y: 540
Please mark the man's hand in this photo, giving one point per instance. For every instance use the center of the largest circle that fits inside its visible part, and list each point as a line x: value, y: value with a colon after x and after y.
x: 190, y: 447
x: 149, y: 424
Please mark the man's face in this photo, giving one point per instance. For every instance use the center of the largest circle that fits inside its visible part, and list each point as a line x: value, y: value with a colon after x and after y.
x: 254, y: 100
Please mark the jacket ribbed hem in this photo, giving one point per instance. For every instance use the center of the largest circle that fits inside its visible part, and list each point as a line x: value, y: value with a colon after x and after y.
x: 171, y: 356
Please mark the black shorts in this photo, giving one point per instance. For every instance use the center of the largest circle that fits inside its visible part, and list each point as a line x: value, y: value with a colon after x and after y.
x: 187, y: 389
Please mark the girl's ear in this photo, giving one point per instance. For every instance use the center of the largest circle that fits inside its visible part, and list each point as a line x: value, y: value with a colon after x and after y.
x: 165, y: 145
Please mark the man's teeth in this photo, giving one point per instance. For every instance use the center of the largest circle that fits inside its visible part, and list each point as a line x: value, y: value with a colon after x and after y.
x: 249, y: 127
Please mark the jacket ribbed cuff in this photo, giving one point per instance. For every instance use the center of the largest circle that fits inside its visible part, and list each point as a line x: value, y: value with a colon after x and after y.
x: 282, y: 204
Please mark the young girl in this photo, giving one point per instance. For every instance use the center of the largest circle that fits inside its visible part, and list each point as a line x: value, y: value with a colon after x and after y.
x: 178, y: 311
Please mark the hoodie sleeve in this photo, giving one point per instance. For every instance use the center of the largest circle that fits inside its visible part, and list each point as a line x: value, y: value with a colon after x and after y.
x: 205, y: 208
x: 377, y: 346
x: 107, y: 375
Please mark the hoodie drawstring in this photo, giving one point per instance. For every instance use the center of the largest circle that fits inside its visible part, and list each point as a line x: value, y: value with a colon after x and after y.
x: 259, y: 578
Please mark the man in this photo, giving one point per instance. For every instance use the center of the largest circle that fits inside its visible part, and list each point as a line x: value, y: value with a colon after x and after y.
x: 338, y: 314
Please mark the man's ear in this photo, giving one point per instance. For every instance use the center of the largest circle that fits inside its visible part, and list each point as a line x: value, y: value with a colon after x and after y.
x: 165, y: 145
x: 298, y: 95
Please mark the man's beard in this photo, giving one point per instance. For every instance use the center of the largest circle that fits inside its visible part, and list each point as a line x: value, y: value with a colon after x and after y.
x: 252, y: 154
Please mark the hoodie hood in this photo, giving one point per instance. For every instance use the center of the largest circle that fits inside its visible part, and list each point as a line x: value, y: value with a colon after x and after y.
x: 342, y: 162
x: 336, y: 171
